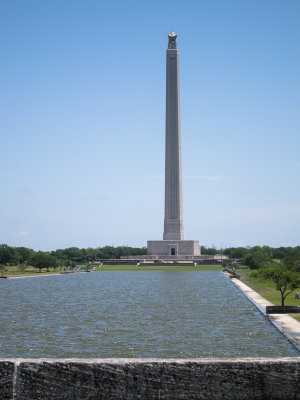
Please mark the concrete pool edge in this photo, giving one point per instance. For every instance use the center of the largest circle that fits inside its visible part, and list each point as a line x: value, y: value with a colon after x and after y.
x: 76, y: 379
x: 287, y: 325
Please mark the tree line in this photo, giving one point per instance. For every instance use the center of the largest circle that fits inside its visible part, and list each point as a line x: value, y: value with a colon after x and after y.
x: 253, y: 257
x: 69, y: 257
x: 257, y: 257
x: 280, y: 265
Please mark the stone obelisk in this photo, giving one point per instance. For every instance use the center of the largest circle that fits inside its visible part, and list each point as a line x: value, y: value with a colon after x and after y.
x: 173, y: 244
x: 173, y: 223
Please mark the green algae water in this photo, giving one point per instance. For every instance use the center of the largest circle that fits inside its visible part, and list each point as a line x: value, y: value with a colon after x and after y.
x: 134, y: 314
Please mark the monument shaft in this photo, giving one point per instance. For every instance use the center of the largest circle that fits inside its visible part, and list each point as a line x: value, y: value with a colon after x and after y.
x: 173, y: 222
x: 173, y: 244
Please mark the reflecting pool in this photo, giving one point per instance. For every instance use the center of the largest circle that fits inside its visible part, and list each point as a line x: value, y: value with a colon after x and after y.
x: 134, y: 314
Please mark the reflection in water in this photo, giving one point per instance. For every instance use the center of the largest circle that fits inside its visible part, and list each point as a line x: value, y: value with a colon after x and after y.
x: 134, y: 314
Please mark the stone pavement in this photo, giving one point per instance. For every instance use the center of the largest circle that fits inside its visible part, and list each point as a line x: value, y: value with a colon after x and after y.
x: 284, y: 322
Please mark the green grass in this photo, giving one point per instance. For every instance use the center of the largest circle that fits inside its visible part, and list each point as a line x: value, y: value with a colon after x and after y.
x: 164, y: 267
x: 14, y: 270
x: 267, y: 290
x: 11, y: 271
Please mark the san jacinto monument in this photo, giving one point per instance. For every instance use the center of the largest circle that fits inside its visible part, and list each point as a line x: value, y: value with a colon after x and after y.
x: 173, y: 243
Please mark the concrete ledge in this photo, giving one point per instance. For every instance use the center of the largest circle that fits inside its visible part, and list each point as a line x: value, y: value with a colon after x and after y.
x: 134, y: 379
x: 282, y: 310
x: 7, y: 373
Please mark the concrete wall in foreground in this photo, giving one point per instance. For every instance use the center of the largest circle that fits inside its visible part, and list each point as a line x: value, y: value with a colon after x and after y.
x: 118, y: 379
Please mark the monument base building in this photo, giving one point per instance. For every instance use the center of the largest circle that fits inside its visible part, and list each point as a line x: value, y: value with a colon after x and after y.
x: 173, y: 248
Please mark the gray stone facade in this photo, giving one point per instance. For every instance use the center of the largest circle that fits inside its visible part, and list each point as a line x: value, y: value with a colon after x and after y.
x: 173, y: 223
x: 150, y: 379
x: 173, y: 247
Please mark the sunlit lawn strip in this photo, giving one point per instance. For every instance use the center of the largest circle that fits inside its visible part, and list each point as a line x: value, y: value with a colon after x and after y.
x: 164, y: 267
x: 267, y: 290
x: 11, y: 271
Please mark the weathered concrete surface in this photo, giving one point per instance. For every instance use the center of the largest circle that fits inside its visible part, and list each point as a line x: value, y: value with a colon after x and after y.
x: 134, y: 379
x: 7, y: 370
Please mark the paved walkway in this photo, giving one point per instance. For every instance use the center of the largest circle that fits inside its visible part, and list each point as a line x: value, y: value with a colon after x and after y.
x: 284, y: 322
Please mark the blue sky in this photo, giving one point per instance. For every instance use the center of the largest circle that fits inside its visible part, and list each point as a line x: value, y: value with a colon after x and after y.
x: 83, y: 112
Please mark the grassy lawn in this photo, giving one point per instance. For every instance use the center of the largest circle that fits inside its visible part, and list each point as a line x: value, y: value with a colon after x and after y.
x: 164, y: 267
x: 11, y: 271
x: 267, y: 290
x: 14, y: 270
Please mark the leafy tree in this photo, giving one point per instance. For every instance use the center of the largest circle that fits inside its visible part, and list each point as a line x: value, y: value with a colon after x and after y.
x: 2, y: 269
x: 286, y: 281
x: 208, y: 250
x: 71, y: 253
x: 23, y: 254
x: 267, y: 250
x: 236, y: 252
x: 8, y: 255
x: 90, y: 254
x: 292, y: 261
x: 108, y: 252
x: 42, y: 260
x: 296, y: 266
x: 75, y: 254
x: 256, y: 258
x: 22, y: 267
x: 282, y: 252
x: 234, y: 266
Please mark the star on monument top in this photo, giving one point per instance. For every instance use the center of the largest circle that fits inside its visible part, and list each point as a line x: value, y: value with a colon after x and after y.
x: 172, y: 40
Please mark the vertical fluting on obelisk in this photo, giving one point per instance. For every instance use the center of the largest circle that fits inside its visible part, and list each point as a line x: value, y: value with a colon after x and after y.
x: 173, y: 223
